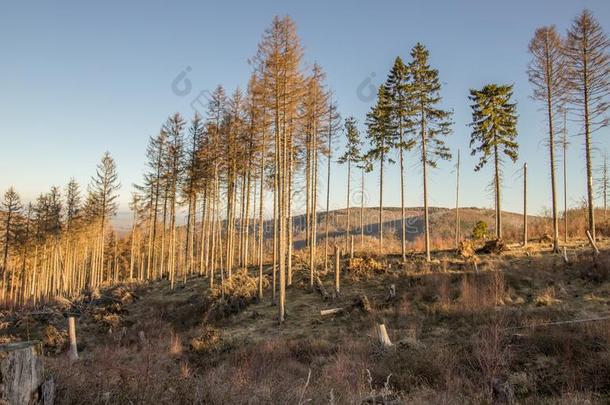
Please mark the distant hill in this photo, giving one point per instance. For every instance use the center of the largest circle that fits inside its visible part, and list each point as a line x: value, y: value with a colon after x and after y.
x: 442, y: 222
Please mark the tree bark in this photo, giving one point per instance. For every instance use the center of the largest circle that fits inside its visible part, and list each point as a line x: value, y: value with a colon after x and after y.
x: 525, y: 204
x: 21, y: 372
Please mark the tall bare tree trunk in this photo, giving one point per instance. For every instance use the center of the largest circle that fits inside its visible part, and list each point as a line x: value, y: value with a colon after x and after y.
x: 498, y: 199
x: 565, y: 177
x: 525, y: 204
x: 425, y: 177
x: 348, y: 230
x: 403, y: 234
x: 362, y: 209
x: 457, y: 202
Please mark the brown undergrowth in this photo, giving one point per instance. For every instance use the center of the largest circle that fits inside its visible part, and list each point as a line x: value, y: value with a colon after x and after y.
x: 491, y: 334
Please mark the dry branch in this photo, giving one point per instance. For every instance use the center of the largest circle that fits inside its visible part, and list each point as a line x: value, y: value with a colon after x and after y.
x: 603, y: 318
x: 592, y: 242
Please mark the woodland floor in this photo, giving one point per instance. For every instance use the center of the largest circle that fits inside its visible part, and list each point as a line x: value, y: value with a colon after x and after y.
x: 460, y: 336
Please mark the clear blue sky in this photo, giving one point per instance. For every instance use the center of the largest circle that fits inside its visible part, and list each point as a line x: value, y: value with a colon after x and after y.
x: 78, y: 78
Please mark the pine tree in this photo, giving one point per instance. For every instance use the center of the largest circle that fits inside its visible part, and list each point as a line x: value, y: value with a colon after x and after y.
x: 12, y: 207
x: 547, y: 74
x: 278, y: 64
x: 429, y: 122
x: 352, y: 155
x: 193, y: 176
x: 155, y: 152
x: 101, y: 205
x: 398, y: 87
x: 494, y: 123
x: 314, y: 109
x: 588, y: 77
x: 331, y: 126
x: 73, y: 203
x: 381, y: 136
x: 174, y: 128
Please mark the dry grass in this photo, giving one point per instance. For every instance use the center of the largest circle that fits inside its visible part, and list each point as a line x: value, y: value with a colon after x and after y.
x: 460, y: 336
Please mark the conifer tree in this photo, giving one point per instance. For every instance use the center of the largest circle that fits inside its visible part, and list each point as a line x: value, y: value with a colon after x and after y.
x: 278, y: 64
x: 332, y: 123
x: 155, y: 153
x: 547, y: 74
x: 12, y: 207
x: 401, y: 111
x: 588, y: 60
x: 192, y: 184
x: 73, y: 203
x: 381, y: 137
x: 174, y: 128
x: 494, y: 123
x: 429, y: 122
x: 314, y: 109
x: 101, y: 205
x: 352, y: 155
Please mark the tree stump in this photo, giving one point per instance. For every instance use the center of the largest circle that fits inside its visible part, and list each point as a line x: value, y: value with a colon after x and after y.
x: 382, y: 335
x: 21, y: 373
x: 73, y: 352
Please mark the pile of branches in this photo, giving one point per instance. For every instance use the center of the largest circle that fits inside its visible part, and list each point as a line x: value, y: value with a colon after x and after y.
x: 364, y: 267
x: 494, y: 246
x: 233, y: 294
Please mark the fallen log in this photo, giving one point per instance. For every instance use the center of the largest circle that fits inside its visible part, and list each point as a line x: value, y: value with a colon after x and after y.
x: 360, y: 302
x: 319, y: 287
x: 331, y: 311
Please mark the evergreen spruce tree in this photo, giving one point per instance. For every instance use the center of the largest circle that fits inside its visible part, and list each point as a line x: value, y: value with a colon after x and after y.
x: 494, y: 123
x: 381, y: 137
x: 102, y: 205
x: 352, y: 155
x: 11, y: 207
x: 429, y: 123
x: 401, y: 111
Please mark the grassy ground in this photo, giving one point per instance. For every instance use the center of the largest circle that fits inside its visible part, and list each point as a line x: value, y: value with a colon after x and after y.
x: 459, y: 336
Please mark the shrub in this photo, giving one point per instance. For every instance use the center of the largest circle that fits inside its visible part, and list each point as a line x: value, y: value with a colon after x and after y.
x: 480, y: 230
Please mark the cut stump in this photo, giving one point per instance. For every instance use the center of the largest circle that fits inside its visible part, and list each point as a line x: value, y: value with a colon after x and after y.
x: 22, y: 374
x: 382, y: 335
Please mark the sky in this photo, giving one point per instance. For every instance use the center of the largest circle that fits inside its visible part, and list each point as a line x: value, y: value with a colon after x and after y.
x: 79, y: 78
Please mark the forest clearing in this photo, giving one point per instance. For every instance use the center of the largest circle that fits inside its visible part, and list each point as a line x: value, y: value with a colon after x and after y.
x: 458, y: 334
x: 298, y: 228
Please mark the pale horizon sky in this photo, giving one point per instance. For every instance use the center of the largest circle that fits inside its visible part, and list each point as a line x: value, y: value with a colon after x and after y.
x: 78, y: 78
